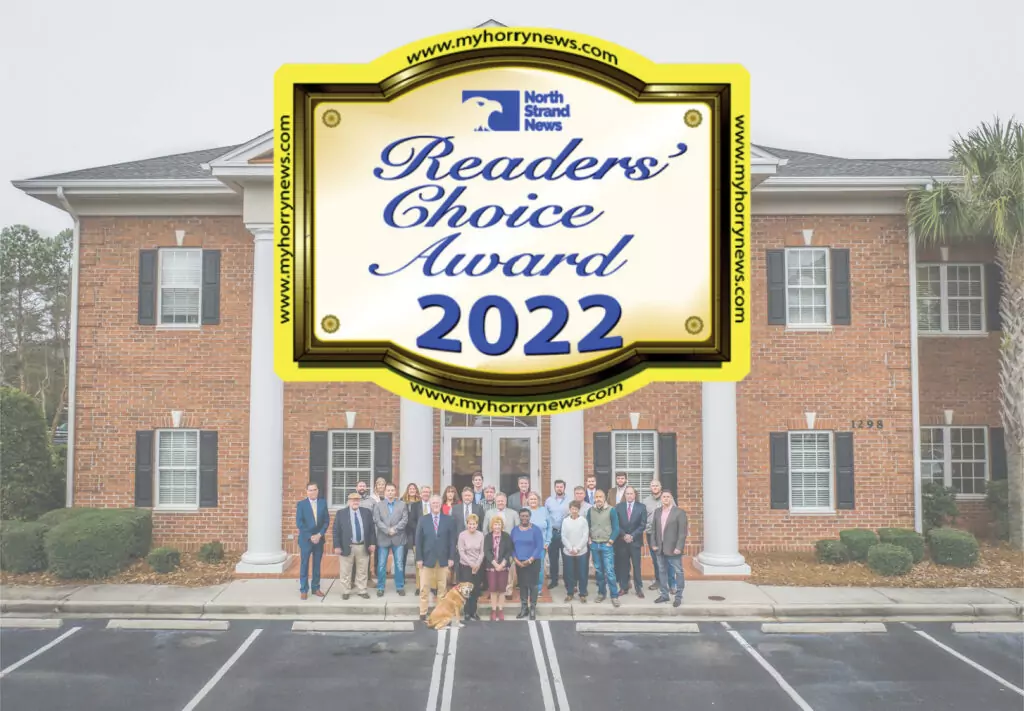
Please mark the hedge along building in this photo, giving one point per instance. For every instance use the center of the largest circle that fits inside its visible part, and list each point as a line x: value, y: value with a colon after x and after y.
x: 873, y: 369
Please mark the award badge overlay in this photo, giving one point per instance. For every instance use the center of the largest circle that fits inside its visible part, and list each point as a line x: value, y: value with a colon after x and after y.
x: 513, y: 220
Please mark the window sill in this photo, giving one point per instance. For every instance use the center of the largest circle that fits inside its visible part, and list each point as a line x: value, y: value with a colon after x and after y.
x: 812, y: 512
x: 809, y: 329
x: 936, y: 334
x: 175, y: 509
x: 173, y: 327
x: 970, y: 497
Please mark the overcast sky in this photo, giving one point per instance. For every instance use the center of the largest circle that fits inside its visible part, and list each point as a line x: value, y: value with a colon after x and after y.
x: 105, y: 81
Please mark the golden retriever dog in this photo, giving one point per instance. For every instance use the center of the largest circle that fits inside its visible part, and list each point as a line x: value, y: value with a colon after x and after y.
x: 448, y: 612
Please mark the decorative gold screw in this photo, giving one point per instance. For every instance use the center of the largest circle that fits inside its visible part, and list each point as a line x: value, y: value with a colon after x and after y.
x: 331, y: 118
x: 330, y: 324
x: 694, y: 325
x: 692, y: 118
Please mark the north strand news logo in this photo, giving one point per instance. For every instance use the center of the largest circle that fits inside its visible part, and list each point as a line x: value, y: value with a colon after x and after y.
x: 504, y: 110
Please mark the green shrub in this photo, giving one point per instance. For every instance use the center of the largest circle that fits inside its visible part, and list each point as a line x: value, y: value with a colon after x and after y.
x: 906, y: 538
x: 938, y: 506
x: 950, y: 546
x: 858, y: 541
x: 141, y: 521
x: 58, y: 516
x: 212, y: 552
x: 21, y: 546
x: 164, y: 560
x: 831, y: 551
x: 91, y: 546
x: 889, y: 559
x: 998, y: 499
x: 31, y: 484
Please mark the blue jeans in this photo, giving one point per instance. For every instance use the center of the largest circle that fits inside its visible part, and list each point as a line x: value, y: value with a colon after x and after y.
x: 603, y: 555
x: 656, y: 560
x: 576, y: 569
x: 307, y: 550
x: 540, y: 574
x: 671, y: 569
x: 382, y: 564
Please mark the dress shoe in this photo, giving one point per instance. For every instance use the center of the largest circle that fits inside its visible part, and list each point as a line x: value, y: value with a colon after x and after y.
x: 401, y: 592
x: 640, y: 594
x: 661, y: 598
x: 600, y: 598
x: 615, y: 601
x: 319, y: 593
x: 583, y: 599
x: 345, y: 596
x: 364, y: 595
x: 380, y: 593
x: 568, y: 598
x: 501, y: 615
x: 524, y: 610
x: 553, y: 584
x: 653, y: 586
x: 303, y: 596
x: 678, y: 601
x: 494, y: 615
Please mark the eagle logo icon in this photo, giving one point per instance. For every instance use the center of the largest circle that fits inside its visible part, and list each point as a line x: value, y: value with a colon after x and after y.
x: 481, y: 109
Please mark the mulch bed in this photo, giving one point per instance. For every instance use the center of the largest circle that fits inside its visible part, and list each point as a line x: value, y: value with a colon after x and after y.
x: 191, y: 573
x: 999, y: 566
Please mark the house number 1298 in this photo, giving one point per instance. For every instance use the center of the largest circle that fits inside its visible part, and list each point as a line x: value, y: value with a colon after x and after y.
x: 866, y: 424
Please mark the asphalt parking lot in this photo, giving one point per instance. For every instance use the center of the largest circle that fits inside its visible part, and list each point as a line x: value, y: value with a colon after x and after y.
x: 556, y: 666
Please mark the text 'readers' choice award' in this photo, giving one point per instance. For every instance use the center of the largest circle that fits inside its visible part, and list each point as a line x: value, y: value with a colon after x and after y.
x: 512, y: 220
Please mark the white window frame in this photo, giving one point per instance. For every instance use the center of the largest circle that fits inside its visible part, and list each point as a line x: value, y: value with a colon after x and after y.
x: 947, y: 457
x: 944, y: 329
x: 331, y: 503
x: 158, y: 505
x: 831, y: 508
x: 641, y: 494
x: 160, y: 289
x: 827, y: 324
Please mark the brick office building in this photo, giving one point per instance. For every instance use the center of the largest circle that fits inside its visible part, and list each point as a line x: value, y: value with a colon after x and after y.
x: 873, y: 366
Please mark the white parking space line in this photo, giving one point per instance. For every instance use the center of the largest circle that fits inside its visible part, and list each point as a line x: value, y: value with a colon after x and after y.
x: 213, y: 625
x: 30, y: 623
x: 769, y: 668
x: 971, y: 662
x: 542, y: 669
x: 637, y: 627
x: 989, y: 627
x: 353, y: 626
x: 29, y: 658
x: 449, y: 673
x: 222, y: 671
x: 556, y: 672
x: 821, y: 627
x: 435, y: 675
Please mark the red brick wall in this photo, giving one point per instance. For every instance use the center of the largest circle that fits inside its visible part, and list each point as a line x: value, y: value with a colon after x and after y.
x: 130, y: 377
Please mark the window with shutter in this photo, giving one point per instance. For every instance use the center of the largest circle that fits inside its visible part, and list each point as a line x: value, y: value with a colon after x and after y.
x: 807, y: 286
x: 179, y: 294
x: 351, y: 461
x: 955, y: 457
x: 177, y: 469
x: 810, y: 471
x: 635, y: 453
x: 951, y: 298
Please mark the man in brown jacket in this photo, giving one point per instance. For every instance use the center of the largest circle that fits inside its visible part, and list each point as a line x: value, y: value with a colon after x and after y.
x: 668, y: 541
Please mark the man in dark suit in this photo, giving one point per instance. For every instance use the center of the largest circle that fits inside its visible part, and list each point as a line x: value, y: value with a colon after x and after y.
x: 312, y: 519
x: 632, y: 522
x: 669, y: 541
x: 461, y: 512
x: 435, y: 553
x: 355, y: 539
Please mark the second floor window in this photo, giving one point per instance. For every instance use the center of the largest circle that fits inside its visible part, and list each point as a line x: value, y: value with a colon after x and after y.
x: 950, y: 298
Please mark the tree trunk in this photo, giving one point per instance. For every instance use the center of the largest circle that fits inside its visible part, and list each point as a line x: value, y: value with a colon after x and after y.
x: 1011, y: 380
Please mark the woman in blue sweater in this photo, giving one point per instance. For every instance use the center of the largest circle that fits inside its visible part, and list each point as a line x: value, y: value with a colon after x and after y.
x: 528, y: 544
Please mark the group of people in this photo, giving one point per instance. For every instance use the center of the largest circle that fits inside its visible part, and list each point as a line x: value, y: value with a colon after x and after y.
x: 496, y: 541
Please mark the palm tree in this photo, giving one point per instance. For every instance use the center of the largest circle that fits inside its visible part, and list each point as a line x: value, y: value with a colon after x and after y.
x: 989, y: 204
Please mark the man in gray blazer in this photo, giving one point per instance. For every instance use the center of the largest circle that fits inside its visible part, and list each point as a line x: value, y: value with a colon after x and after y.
x: 669, y: 541
x: 390, y: 518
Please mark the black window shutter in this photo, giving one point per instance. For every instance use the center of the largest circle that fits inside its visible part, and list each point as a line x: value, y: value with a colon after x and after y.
x: 844, y: 470
x: 667, y: 464
x: 997, y: 443
x: 382, y: 456
x: 993, y: 289
x: 603, y: 460
x: 144, y: 468
x: 211, y: 286
x: 840, y: 267
x: 147, y: 286
x: 777, y: 287
x: 779, y: 455
x: 208, y: 468
x: 318, y: 453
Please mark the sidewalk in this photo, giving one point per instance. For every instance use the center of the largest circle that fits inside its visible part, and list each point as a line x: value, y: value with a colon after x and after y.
x: 702, y: 600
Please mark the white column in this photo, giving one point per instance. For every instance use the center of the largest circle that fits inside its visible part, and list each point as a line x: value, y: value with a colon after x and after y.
x: 416, y: 444
x: 567, y: 449
x: 266, y: 419
x: 721, y: 554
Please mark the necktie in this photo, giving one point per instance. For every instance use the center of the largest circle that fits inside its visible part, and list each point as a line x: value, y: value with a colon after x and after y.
x: 359, y: 527
x: 466, y: 517
x: 629, y: 511
x: 435, y: 524
x: 313, y: 504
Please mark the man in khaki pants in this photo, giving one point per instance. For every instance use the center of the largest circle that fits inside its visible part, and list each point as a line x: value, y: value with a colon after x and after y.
x: 435, y: 552
x: 354, y: 540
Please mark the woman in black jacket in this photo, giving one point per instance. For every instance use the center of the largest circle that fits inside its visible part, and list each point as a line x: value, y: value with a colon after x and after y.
x: 497, y: 561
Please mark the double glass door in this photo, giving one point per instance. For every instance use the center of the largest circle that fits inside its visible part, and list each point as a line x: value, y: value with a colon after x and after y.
x: 500, y: 455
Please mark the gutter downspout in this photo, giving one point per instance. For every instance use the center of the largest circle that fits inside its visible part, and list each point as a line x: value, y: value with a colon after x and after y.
x: 915, y: 406
x: 73, y: 349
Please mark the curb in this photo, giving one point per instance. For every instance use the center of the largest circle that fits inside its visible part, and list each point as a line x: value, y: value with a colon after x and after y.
x: 596, y: 612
